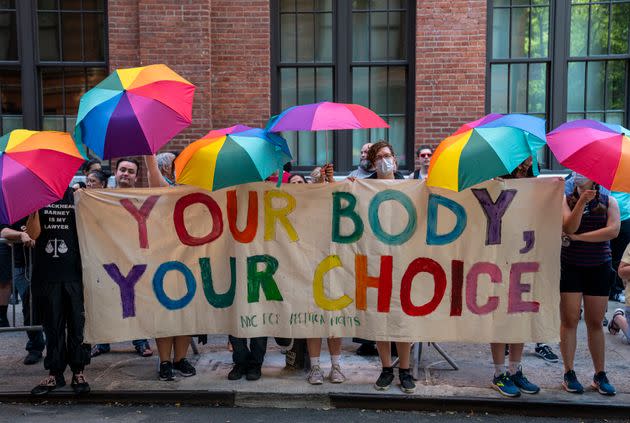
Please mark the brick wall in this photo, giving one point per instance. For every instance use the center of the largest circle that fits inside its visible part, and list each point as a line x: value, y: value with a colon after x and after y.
x: 450, y: 66
x: 241, y: 62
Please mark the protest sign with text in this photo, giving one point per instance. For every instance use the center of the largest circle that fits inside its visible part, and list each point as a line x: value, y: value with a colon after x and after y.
x: 382, y: 260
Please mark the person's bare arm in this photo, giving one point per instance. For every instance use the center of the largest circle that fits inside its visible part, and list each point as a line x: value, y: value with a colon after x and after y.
x: 13, y: 235
x: 610, y: 231
x: 624, y: 271
x: 154, y: 176
x: 572, y: 218
x: 33, y: 227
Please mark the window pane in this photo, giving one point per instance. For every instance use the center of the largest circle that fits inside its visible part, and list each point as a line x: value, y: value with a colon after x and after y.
x: 360, y: 4
x: 518, y: 88
x: 619, y: 28
x: 574, y: 116
x: 595, y: 116
x: 287, y: 38
x: 575, y: 89
x: 323, y: 5
x: 360, y: 37
x: 93, y: 4
x: 94, y: 76
x: 599, y: 30
x: 71, y: 4
x: 306, y: 148
x: 595, y: 85
x: 579, y: 28
x: 53, y: 123
x: 47, y: 4
x: 323, y: 27
x: 378, y: 36
x: 291, y: 138
x: 304, y: 5
x: 396, y: 97
x: 9, y: 123
x: 52, y: 91
x: 617, y: 118
x: 379, y: 4
x: 360, y: 86
x: 305, y: 40
x: 71, y: 36
x: 287, y: 5
x: 540, y: 32
x: 74, y: 87
x: 396, y: 4
x: 397, y: 138
x: 501, y: 2
x: 498, y: 89
x: 48, y: 36
x: 306, y: 85
x: 11, y: 92
x: 324, y: 84
x: 378, y: 89
x: 500, y: 33
x: 93, y: 37
x: 537, y: 91
x: 324, y: 140
x: 520, y: 32
x: 288, y: 84
x: 397, y: 34
x: 8, y: 36
x: 616, y: 85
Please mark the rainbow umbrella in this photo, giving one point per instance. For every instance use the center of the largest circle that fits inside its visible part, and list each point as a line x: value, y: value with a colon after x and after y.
x: 325, y: 116
x: 599, y: 151
x: 484, y: 149
x: 35, y: 170
x: 134, y: 111
x: 221, y: 160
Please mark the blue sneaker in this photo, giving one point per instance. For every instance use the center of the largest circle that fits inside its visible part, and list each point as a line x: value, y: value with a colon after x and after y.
x: 503, y: 383
x: 601, y: 384
x: 571, y: 384
x: 523, y: 384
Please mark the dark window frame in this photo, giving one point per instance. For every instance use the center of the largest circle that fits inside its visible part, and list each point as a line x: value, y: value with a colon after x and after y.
x: 559, y: 59
x: 30, y: 65
x: 342, y: 65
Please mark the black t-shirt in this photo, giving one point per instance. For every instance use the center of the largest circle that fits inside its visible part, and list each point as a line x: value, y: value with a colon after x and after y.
x: 56, y: 256
x: 18, y: 249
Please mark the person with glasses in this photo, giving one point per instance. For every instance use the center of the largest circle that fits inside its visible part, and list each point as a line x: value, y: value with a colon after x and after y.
x: 423, y: 154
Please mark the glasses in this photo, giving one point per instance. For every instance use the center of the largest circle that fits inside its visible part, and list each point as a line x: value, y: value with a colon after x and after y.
x: 424, y: 155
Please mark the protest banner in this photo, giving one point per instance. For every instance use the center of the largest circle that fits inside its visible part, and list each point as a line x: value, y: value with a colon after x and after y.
x: 382, y: 260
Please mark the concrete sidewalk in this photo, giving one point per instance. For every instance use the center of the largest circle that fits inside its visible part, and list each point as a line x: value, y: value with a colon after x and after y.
x: 124, y: 376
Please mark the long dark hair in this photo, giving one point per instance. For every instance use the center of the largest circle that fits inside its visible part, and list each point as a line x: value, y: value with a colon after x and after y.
x: 599, y: 208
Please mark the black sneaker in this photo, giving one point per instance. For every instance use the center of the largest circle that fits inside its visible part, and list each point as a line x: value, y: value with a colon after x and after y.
x: 253, y: 373
x: 166, y: 371
x: 407, y: 385
x: 79, y: 384
x: 50, y: 383
x: 237, y: 372
x: 384, y: 380
x: 184, y: 368
x: 32, y: 357
x: 544, y: 351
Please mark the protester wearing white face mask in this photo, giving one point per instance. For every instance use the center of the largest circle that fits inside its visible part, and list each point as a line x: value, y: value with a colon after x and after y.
x: 383, y: 158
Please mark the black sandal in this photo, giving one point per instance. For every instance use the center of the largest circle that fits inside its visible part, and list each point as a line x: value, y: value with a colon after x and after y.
x: 613, y: 327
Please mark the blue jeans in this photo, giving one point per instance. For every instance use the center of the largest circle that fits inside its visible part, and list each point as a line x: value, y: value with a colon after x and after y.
x: 36, y: 342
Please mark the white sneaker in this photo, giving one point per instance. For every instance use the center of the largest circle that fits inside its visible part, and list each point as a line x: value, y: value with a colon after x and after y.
x: 336, y: 376
x: 315, y: 376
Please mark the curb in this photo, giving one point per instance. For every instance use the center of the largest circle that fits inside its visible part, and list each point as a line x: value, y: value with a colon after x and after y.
x: 536, y: 408
x: 478, y: 405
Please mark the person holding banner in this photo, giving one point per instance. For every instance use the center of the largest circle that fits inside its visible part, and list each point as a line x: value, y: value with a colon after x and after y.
x: 57, y: 285
x: 125, y: 177
x: 590, y: 221
x: 161, y: 173
x: 511, y: 382
x: 382, y: 156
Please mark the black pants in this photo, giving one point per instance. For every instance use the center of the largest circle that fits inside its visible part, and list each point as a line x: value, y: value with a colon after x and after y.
x: 61, y: 305
x: 248, y: 357
x: 618, y: 246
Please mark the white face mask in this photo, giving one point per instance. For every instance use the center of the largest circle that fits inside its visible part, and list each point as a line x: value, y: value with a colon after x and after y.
x: 385, y: 166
